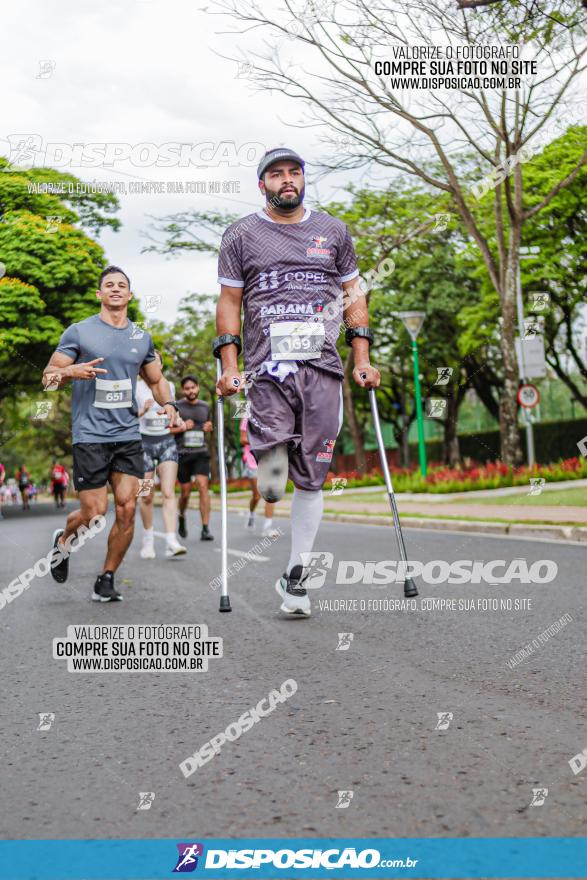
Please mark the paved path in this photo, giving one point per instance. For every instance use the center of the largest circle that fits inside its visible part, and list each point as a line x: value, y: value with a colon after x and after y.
x: 363, y: 719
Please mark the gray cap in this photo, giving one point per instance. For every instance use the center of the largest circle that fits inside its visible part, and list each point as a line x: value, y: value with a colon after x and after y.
x: 278, y: 154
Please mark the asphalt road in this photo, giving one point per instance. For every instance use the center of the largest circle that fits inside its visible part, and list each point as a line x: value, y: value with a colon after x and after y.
x: 362, y: 720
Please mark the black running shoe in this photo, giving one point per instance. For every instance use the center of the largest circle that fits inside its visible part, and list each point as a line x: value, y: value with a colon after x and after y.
x: 60, y: 571
x: 206, y: 536
x: 183, y: 532
x: 104, y: 589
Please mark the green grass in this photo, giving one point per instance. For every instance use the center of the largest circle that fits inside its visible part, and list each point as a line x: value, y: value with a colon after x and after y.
x: 356, y: 498
x: 487, y: 519
x: 552, y: 498
x: 575, y: 497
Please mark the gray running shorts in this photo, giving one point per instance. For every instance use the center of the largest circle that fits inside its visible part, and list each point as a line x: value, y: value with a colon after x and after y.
x: 304, y: 411
x: 156, y: 450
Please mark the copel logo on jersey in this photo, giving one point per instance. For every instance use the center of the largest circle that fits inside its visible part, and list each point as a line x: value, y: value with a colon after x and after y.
x: 318, y: 249
x: 187, y: 860
x: 269, y: 280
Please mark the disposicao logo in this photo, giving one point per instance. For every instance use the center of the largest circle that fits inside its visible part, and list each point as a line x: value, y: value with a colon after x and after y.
x: 187, y: 860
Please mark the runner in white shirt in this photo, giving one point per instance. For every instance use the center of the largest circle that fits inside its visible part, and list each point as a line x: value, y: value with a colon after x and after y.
x: 160, y: 455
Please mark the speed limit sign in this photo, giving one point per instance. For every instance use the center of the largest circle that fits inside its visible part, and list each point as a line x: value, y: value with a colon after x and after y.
x: 528, y: 396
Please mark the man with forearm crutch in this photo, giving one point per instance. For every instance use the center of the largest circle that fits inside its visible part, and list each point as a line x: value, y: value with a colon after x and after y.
x: 283, y: 268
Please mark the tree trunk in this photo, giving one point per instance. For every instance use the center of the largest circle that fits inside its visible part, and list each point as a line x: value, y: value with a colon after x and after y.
x: 349, y: 410
x: 482, y: 380
x: 404, y: 444
x: 511, y: 453
x: 451, y: 449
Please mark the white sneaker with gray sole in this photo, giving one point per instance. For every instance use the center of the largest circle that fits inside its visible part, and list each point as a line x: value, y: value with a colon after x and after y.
x: 296, y: 601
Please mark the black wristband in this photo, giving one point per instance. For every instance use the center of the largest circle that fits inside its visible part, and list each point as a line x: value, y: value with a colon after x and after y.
x: 226, y: 339
x: 363, y: 332
x: 173, y: 404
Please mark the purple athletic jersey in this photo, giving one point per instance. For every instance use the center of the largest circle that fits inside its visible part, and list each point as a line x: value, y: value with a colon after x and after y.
x: 290, y: 272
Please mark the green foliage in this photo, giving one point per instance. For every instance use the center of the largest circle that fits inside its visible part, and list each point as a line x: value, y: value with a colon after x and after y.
x: 51, y: 264
x: 444, y: 480
x: 186, y: 345
x: 36, y: 442
x: 418, y: 230
x: 560, y: 230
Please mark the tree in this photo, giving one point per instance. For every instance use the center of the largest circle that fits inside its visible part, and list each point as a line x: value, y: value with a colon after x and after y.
x: 336, y: 78
x: 36, y: 430
x: 408, y: 228
x: 532, y: 9
x: 198, y: 231
x: 558, y: 271
x: 50, y: 268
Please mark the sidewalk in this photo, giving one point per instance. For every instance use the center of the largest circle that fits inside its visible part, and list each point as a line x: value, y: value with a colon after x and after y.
x: 552, y: 522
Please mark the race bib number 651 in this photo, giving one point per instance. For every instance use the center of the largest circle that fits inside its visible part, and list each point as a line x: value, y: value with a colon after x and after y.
x: 113, y: 393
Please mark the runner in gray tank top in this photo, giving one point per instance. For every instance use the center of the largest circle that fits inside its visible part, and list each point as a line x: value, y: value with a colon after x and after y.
x: 104, y: 355
x: 293, y: 274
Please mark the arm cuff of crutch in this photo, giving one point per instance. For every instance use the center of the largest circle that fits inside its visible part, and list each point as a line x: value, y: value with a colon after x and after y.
x: 364, y: 332
x: 226, y: 339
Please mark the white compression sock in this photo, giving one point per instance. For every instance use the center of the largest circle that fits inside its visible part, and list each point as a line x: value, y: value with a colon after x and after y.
x: 306, y: 513
x: 148, y: 534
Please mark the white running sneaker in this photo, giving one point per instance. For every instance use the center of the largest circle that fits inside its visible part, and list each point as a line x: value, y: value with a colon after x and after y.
x: 251, y: 521
x: 148, y: 549
x: 270, y: 532
x: 296, y: 601
x: 174, y: 548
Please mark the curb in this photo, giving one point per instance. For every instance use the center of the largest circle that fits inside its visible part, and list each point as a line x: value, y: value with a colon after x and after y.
x: 577, y: 534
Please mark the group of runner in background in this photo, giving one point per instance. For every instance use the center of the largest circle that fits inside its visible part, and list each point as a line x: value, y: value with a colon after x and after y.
x: 170, y: 454
x: 20, y: 489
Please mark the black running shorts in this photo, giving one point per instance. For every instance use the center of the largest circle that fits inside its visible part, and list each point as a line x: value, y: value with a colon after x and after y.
x: 94, y: 462
x: 192, y: 464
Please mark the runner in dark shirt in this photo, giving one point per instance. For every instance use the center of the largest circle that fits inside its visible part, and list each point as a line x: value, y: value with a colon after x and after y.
x: 23, y: 478
x: 194, y: 458
x: 293, y: 274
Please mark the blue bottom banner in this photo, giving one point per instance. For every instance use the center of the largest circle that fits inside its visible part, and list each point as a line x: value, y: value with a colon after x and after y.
x: 505, y: 857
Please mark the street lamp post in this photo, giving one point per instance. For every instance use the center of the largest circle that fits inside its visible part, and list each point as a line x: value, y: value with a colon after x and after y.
x: 413, y: 322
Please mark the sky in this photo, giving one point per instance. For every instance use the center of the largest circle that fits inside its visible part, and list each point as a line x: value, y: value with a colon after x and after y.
x: 127, y: 73
x: 145, y: 72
